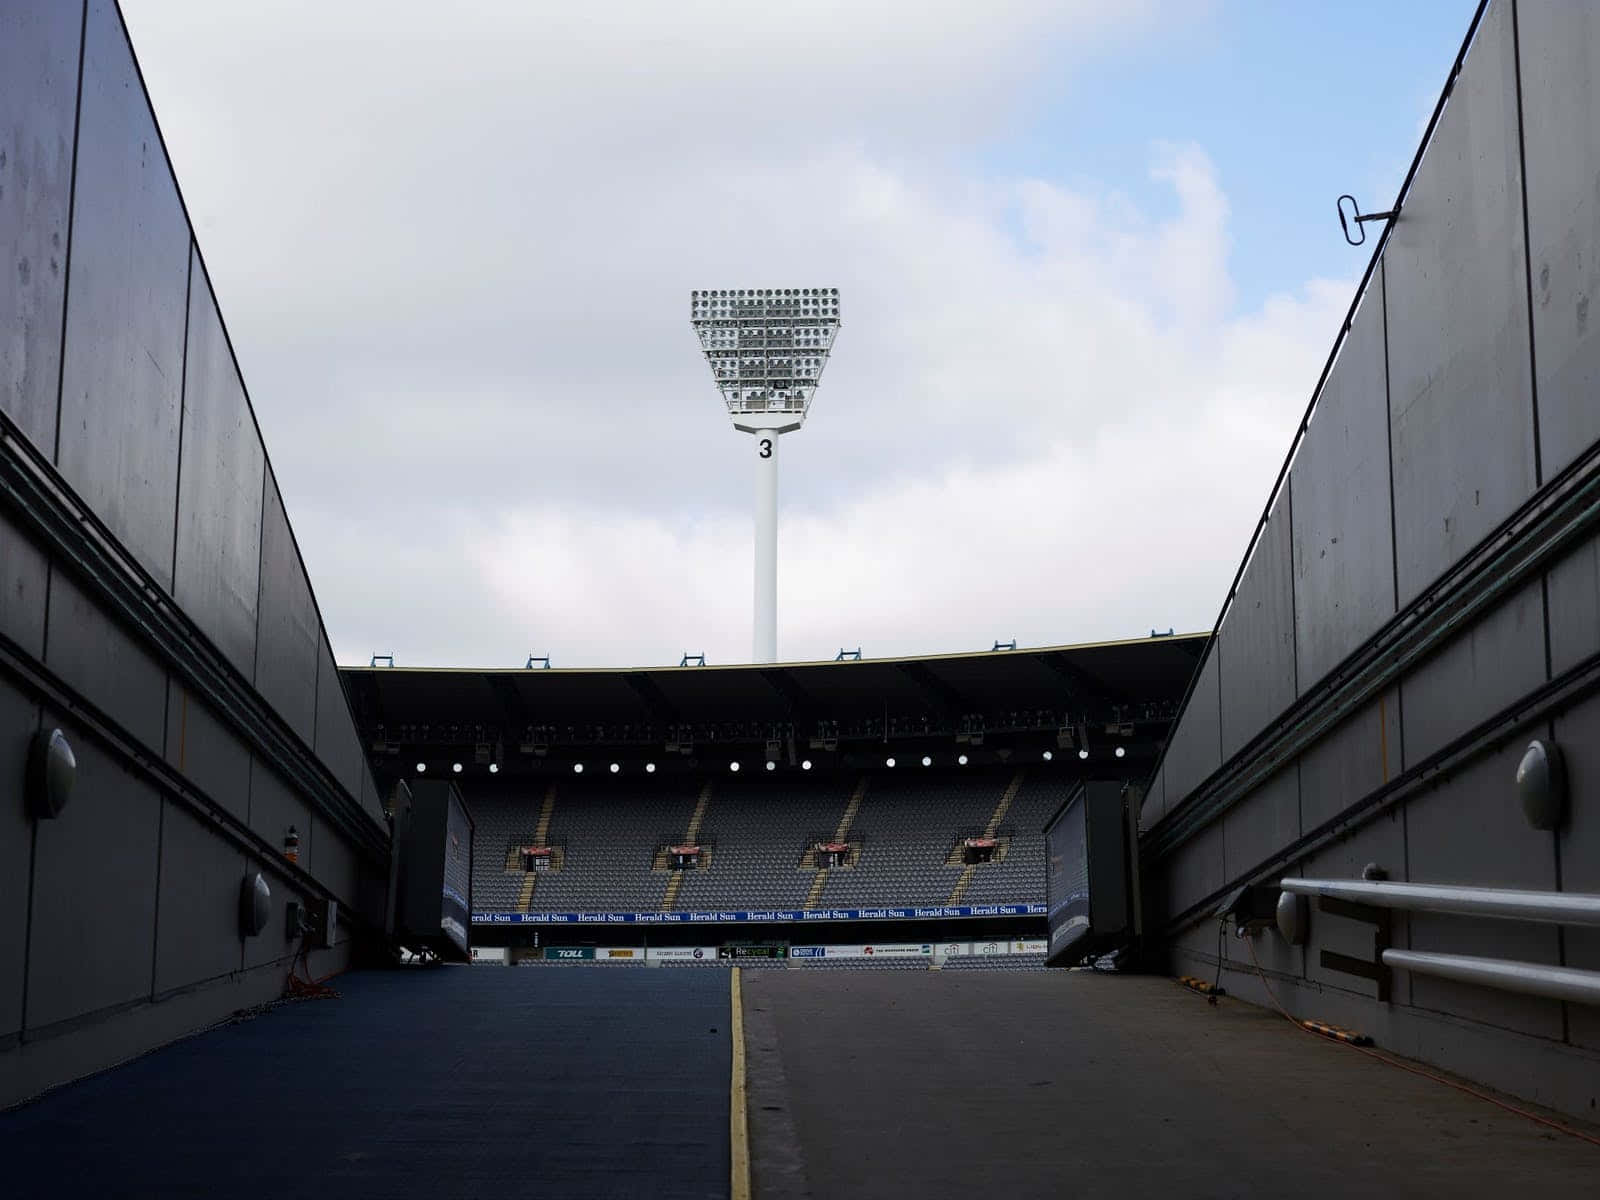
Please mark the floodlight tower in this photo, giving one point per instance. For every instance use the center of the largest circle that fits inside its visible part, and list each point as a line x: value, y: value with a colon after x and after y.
x: 767, y: 348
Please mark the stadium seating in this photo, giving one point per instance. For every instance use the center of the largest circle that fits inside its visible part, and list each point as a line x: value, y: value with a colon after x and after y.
x: 907, y: 830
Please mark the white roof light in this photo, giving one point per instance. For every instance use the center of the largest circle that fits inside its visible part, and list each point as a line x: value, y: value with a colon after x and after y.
x: 494, y: 768
x: 577, y: 768
x: 1048, y: 756
x: 888, y: 762
x: 926, y: 761
x: 615, y: 768
x: 961, y: 759
x: 456, y: 767
x: 1120, y: 751
x: 733, y: 766
x: 649, y: 768
x: 1083, y: 754
x: 805, y: 764
x: 771, y: 766
x: 422, y: 768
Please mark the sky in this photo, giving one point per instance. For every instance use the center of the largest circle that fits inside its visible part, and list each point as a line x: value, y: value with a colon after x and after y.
x: 1088, y: 262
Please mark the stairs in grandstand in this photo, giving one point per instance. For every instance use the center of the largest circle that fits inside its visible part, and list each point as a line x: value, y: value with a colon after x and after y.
x: 692, y: 833
x: 814, y: 896
x: 541, y: 836
x: 995, y: 818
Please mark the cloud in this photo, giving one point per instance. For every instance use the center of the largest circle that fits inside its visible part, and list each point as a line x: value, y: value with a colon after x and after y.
x: 455, y: 263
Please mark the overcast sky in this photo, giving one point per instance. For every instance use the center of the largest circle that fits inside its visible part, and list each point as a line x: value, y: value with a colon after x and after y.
x: 1088, y: 265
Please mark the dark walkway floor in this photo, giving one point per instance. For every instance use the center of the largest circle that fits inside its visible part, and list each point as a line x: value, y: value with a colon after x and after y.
x: 453, y: 1082
x: 985, y: 1085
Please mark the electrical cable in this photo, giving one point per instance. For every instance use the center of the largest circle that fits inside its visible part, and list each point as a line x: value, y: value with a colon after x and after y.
x: 1415, y: 1070
x: 307, y: 988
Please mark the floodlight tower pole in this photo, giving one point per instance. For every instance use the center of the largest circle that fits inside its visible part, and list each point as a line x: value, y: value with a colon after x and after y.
x: 764, y: 648
x: 766, y: 348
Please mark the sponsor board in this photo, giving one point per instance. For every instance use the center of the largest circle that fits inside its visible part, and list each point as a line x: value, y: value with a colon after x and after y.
x: 757, y: 950
x: 489, y: 954
x: 680, y: 953
x: 1030, y: 946
x: 620, y: 952
x: 725, y: 917
x: 808, y: 951
x: 897, y: 950
x: 568, y: 953
x: 984, y: 949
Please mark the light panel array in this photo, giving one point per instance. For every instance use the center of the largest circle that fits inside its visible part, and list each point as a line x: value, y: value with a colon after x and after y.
x: 766, y: 346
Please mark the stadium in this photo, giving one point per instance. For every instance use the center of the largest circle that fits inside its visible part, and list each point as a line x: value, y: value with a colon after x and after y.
x: 1302, y: 904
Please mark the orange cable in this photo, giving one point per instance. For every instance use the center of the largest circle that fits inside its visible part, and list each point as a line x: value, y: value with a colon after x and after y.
x: 1426, y: 1074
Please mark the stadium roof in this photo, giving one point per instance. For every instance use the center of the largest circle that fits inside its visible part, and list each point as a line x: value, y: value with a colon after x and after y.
x: 1092, y: 679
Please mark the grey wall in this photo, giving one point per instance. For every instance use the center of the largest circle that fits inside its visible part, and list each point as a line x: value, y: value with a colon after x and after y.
x: 116, y: 367
x: 1464, y: 384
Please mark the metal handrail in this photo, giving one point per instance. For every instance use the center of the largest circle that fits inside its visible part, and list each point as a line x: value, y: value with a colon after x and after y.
x: 1557, y: 908
x: 1533, y: 979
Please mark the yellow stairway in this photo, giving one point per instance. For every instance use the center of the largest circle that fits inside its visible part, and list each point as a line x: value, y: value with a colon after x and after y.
x: 693, y: 832
x: 995, y: 818
x: 814, y: 897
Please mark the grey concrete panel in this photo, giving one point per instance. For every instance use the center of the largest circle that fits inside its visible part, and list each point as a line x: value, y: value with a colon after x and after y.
x: 23, y: 576
x: 337, y: 746
x: 1496, y: 661
x: 1470, y: 830
x: 19, y: 718
x: 274, y: 806
x: 1263, y: 823
x: 1574, y: 593
x: 1194, y: 870
x: 203, y: 748
x: 1343, y: 535
x: 1577, y: 732
x: 335, y: 867
x: 1195, y: 750
x: 197, y: 937
x: 1359, y: 756
x: 288, y: 631
x: 1381, y: 841
x: 93, y: 654
x: 1460, y: 380
x: 1560, y: 49
x: 1256, y: 643
x: 219, y: 490
x: 122, y: 380
x: 94, y: 892
x: 38, y: 105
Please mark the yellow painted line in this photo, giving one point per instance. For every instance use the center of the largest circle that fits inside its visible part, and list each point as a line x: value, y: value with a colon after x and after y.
x: 738, y: 1117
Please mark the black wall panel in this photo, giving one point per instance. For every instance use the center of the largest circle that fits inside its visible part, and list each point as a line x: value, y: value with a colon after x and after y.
x: 1577, y: 732
x: 94, y: 893
x: 219, y: 490
x: 38, y: 105
x: 121, y: 383
x: 1482, y: 671
x: 1262, y: 823
x: 274, y: 807
x: 1343, y: 536
x: 200, y: 746
x: 1560, y: 48
x: 337, y: 745
x: 273, y: 945
x: 1359, y: 756
x: 1470, y: 830
x: 96, y: 657
x: 198, y: 934
x: 288, y: 631
x: 1256, y: 643
x: 23, y: 577
x: 1574, y: 596
x: 1195, y: 749
x: 1461, y: 408
x: 19, y: 718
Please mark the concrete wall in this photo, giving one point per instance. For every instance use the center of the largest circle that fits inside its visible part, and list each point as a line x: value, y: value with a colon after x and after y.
x: 1462, y: 399
x: 121, y: 396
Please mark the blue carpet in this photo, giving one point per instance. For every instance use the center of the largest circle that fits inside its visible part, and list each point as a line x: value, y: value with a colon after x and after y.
x: 459, y: 1081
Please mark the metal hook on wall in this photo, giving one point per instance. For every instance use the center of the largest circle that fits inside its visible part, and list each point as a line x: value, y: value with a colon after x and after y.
x: 1360, y: 219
